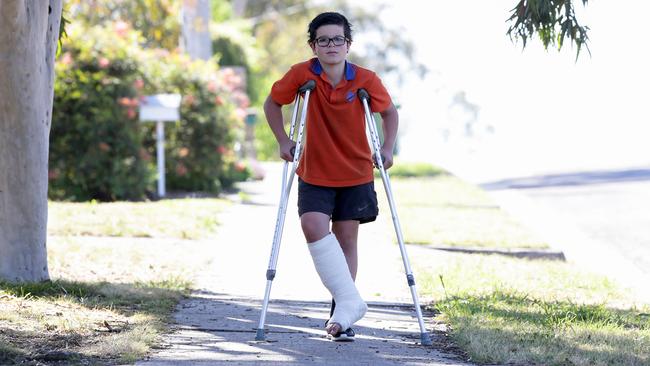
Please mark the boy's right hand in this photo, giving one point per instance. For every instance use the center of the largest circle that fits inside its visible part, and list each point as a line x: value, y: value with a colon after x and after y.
x: 287, y: 149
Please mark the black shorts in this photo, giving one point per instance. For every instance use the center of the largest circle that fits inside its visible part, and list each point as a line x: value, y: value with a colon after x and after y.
x: 340, y: 203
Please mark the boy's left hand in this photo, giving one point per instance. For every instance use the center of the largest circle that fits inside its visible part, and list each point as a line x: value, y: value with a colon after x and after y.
x: 387, y: 157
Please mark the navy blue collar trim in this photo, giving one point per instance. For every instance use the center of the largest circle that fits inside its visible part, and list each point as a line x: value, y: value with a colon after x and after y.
x: 350, y: 69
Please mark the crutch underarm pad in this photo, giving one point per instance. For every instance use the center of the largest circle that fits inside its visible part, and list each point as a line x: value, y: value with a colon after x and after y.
x: 309, y: 85
x: 363, y: 94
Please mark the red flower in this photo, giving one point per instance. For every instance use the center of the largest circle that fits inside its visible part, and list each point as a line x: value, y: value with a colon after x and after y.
x: 212, y: 86
x: 189, y: 100
x: 144, y: 155
x: 104, y: 147
x: 66, y: 59
x: 138, y: 84
x: 121, y: 28
x: 104, y: 62
x: 239, y: 166
x: 181, y: 170
x: 128, y: 102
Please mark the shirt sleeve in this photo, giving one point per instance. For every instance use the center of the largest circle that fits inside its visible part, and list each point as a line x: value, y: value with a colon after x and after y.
x: 379, y: 98
x: 284, y: 90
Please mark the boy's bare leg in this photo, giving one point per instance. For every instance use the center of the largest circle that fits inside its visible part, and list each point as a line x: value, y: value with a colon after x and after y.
x: 347, y: 233
x: 315, y: 225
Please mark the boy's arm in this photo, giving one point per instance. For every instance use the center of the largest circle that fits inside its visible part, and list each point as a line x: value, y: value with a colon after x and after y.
x: 273, y: 113
x: 390, y: 120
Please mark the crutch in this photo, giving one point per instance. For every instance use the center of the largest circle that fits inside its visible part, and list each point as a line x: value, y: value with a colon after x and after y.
x: 284, y: 197
x: 425, y: 339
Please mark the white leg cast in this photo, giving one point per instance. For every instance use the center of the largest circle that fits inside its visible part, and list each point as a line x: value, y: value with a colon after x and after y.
x: 334, y: 272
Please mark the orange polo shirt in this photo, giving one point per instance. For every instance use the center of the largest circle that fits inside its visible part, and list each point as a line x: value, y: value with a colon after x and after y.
x: 336, y: 152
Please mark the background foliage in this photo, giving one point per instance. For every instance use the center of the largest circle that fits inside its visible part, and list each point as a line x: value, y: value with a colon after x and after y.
x: 95, y: 142
x: 99, y: 150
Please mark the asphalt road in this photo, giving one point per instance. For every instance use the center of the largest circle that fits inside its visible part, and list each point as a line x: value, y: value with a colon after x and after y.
x: 599, y: 218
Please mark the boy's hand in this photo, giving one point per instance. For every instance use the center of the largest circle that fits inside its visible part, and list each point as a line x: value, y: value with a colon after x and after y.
x: 287, y: 149
x: 387, y: 157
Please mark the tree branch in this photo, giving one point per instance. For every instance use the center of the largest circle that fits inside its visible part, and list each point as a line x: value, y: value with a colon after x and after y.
x: 552, y: 20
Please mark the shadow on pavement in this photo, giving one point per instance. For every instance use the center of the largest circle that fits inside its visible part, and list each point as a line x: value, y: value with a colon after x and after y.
x: 220, y: 328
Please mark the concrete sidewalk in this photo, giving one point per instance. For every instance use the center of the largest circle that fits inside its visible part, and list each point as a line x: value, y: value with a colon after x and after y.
x: 216, y: 324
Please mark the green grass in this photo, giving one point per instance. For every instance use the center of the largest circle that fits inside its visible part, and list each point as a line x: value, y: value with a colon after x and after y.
x: 110, y: 299
x: 108, y: 303
x: 9, y: 353
x: 89, y: 321
x: 415, y: 169
x: 505, y: 310
x: 445, y: 211
x: 178, y: 218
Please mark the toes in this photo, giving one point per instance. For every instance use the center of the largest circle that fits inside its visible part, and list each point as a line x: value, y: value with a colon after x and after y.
x: 333, y: 328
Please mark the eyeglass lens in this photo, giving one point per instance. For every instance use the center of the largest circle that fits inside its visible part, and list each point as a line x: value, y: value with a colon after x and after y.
x: 325, y: 41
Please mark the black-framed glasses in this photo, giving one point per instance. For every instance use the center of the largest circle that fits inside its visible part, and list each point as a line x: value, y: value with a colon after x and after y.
x: 325, y: 41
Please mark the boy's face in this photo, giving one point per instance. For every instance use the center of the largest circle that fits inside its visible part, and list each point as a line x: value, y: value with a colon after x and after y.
x: 330, y: 46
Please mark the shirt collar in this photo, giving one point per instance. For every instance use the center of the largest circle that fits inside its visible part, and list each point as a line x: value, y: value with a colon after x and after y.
x: 350, y: 69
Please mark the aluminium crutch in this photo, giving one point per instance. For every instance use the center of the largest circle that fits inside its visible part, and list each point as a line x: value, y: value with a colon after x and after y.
x: 284, y: 196
x: 372, y: 128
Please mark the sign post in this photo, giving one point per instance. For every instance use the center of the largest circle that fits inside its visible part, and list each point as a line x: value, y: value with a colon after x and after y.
x: 160, y: 108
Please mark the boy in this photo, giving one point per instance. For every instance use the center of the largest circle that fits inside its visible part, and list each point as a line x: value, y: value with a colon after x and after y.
x: 336, y: 169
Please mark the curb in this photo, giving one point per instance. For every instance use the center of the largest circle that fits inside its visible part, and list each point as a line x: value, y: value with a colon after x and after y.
x: 517, y: 253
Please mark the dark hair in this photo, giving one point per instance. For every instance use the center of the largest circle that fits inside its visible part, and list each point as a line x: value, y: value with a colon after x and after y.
x: 327, y: 19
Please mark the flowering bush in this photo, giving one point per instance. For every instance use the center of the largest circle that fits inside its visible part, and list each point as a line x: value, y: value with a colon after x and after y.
x: 99, y: 149
x: 199, y: 154
x: 95, y: 140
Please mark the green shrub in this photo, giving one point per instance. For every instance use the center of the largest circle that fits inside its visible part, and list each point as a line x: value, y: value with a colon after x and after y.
x: 99, y: 149
x: 95, y: 139
x: 200, y: 156
x: 405, y: 170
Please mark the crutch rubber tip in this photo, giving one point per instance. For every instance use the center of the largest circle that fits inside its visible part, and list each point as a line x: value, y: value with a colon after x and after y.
x: 425, y: 339
x: 260, y: 336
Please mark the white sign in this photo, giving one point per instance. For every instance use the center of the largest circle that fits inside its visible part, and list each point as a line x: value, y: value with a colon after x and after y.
x: 160, y: 107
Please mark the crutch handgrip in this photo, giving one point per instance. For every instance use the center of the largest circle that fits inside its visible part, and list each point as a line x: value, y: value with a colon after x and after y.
x: 309, y: 85
x: 363, y: 94
x: 293, y: 151
x: 374, y: 158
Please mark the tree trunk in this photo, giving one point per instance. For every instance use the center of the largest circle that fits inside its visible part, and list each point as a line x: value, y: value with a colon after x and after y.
x: 196, y: 40
x: 29, y: 32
